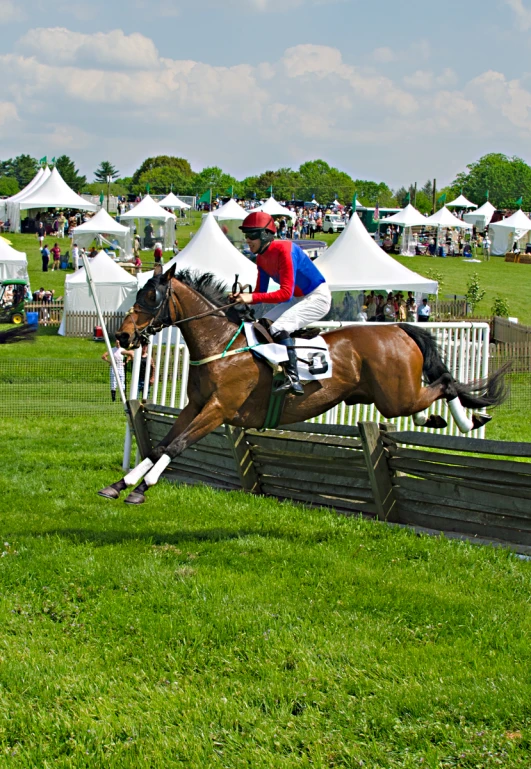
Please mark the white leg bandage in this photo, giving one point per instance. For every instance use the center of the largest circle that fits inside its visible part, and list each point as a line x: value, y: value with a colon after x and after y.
x: 420, y: 418
x: 460, y: 418
x: 138, y: 472
x: 154, y: 474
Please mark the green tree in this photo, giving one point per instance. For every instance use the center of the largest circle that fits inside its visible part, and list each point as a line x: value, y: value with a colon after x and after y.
x: 423, y: 202
x: 325, y: 182
x: 285, y: 183
x: 215, y: 179
x: 474, y: 293
x: 162, y: 161
x: 104, y: 170
x: 371, y: 192
x: 505, y: 178
x: 70, y: 174
x: 163, y: 179
x: 500, y: 307
x: 8, y: 186
x: 116, y: 188
x: 22, y: 168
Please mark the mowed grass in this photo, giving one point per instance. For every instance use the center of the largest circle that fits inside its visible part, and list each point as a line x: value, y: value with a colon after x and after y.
x: 208, y: 629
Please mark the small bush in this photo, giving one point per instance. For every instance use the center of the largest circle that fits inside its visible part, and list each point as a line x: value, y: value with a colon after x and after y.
x: 500, y: 307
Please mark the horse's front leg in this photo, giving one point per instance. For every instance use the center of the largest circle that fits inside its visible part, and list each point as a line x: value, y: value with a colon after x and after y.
x: 135, y: 475
x: 210, y: 417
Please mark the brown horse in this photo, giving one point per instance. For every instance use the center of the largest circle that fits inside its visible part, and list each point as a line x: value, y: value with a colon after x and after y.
x: 383, y: 365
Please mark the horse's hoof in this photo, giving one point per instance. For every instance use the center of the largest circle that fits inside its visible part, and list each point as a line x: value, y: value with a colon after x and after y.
x: 436, y: 422
x: 135, y: 498
x: 478, y: 420
x: 109, y: 492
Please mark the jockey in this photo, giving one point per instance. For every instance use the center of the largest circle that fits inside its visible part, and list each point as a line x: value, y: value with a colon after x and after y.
x: 303, y: 296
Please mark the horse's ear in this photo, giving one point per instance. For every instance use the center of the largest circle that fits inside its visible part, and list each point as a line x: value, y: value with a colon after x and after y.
x: 169, y: 274
x: 157, y: 270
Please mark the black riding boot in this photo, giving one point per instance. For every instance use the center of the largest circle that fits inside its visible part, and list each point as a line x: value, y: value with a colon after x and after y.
x: 292, y: 382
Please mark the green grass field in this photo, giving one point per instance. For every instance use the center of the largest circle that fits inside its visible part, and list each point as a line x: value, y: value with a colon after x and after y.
x: 210, y: 629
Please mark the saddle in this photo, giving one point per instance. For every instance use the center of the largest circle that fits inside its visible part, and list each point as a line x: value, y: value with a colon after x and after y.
x: 262, y: 326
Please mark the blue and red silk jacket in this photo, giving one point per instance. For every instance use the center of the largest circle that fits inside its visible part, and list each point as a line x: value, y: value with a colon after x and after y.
x: 287, y: 264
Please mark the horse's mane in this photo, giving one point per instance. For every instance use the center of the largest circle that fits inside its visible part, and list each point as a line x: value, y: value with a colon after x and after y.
x: 206, y: 284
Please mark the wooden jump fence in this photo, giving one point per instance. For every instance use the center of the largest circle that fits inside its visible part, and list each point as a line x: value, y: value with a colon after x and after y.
x: 411, y: 478
x: 82, y: 324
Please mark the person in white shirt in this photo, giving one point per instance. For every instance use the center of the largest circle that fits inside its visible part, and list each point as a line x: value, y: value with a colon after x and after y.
x: 424, y: 311
x: 75, y: 257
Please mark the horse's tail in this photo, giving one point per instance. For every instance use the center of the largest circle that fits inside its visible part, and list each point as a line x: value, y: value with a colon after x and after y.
x: 17, y: 334
x: 482, y: 393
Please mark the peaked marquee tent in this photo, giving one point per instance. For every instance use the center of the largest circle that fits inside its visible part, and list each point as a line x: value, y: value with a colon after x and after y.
x: 461, y: 202
x: 482, y: 217
x: 13, y: 263
x: 52, y: 193
x: 172, y: 201
x: 509, y: 230
x: 407, y: 217
x: 354, y: 262
x: 147, y: 211
x: 210, y: 251
x: 7, y: 207
x: 444, y: 219
x: 116, y: 289
x: 230, y: 211
x: 104, y: 227
x: 273, y: 208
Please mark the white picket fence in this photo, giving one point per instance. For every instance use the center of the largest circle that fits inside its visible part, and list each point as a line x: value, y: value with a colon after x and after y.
x: 464, y: 346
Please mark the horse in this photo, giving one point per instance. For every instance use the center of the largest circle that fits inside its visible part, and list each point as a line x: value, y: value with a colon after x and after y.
x: 376, y: 364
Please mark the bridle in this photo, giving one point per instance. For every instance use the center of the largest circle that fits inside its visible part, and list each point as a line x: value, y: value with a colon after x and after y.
x: 162, y: 318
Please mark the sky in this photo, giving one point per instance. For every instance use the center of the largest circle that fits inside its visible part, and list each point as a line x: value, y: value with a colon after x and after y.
x: 389, y: 91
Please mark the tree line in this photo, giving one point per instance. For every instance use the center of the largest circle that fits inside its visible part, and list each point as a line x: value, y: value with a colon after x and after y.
x: 501, y: 179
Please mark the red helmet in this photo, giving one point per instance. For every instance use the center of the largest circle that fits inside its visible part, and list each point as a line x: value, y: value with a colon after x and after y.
x: 259, y: 221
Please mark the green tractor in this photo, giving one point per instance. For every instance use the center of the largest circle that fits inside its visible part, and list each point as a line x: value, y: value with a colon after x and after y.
x: 12, y: 298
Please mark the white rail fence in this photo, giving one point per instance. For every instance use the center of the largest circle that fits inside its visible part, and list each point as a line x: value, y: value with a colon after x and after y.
x: 464, y: 347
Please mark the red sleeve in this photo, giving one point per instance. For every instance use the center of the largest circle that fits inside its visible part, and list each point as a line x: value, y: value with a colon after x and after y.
x: 286, y: 280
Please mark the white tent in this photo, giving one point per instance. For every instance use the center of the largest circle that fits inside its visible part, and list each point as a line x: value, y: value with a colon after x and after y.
x: 231, y: 211
x: 210, y: 251
x: 172, y: 201
x: 505, y: 233
x: 354, y: 262
x: 13, y: 263
x: 273, y: 208
x: 461, y: 202
x: 444, y: 219
x: 407, y: 217
x: 105, y: 229
x: 146, y: 212
x: 116, y: 289
x: 8, y: 209
x: 52, y: 193
x: 482, y: 217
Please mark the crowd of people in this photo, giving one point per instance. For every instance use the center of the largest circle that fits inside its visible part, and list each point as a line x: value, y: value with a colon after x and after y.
x: 374, y: 307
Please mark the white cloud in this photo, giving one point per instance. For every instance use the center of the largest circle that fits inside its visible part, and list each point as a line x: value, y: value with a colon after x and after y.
x: 383, y: 55
x: 522, y: 12
x: 8, y: 114
x: 11, y: 11
x: 114, y: 49
x: 504, y: 99
x: 426, y: 80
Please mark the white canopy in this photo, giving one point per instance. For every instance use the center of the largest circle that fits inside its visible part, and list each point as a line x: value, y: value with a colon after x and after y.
x: 355, y: 262
x: 445, y: 218
x: 172, y: 201
x: 107, y: 228
x: 147, y: 209
x: 9, y: 208
x: 32, y: 185
x: 13, y: 264
x: 115, y: 287
x: 511, y: 228
x: 480, y: 218
x: 407, y: 217
x: 231, y: 210
x: 210, y: 251
x: 273, y: 208
x: 55, y: 193
x: 461, y: 202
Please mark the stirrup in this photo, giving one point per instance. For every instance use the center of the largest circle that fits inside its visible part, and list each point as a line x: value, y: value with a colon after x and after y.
x: 291, y: 385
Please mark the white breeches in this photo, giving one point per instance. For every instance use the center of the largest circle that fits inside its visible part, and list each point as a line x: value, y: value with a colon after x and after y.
x: 299, y: 311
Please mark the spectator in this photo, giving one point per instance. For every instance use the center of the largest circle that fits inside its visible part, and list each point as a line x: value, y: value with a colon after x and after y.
x: 93, y: 253
x: 142, y: 373
x: 389, y: 310
x: 371, y: 307
x: 118, y: 354
x: 424, y: 312
x: 411, y: 308
x: 56, y: 256
x: 157, y: 253
x: 61, y: 221
x: 138, y: 264
x: 75, y: 257
x: 486, y: 246
x: 39, y: 232
x: 45, y: 253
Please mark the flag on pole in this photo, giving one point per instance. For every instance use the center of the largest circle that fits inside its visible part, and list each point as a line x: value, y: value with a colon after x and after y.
x: 270, y: 190
x: 487, y: 194
x: 376, y: 215
x: 442, y: 198
x: 408, y: 198
x: 43, y: 160
x: 148, y: 188
x: 206, y: 197
x: 354, y: 201
x: 230, y: 190
x: 313, y: 195
x: 519, y: 201
x: 102, y: 197
x: 53, y: 161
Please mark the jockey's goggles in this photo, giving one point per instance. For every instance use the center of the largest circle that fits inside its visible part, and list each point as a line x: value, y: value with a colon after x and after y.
x: 253, y: 234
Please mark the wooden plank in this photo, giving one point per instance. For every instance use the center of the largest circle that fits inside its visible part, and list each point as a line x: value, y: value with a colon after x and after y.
x: 462, y: 460
x: 304, y: 474
x: 489, y: 475
x: 225, y: 468
x: 416, y: 513
x: 456, y: 443
x: 319, y: 501
x: 307, y: 439
x: 506, y: 491
x: 222, y: 448
x: 320, y: 488
x: 243, y: 459
x: 143, y: 439
x: 346, y: 431
x: 304, y: 448
x: 379, y: 475
x: 454, y: 495
x: 327, y: 463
